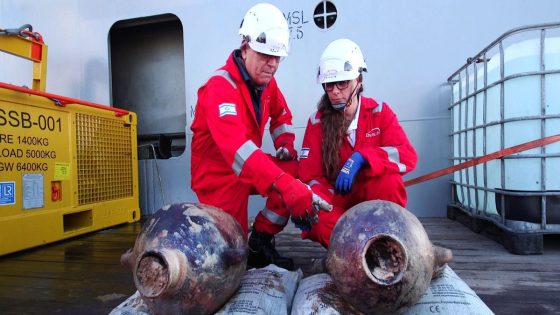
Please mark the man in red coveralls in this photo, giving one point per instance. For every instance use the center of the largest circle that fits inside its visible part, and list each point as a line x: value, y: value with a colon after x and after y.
x: 233, y: 107
x: 354, y: 148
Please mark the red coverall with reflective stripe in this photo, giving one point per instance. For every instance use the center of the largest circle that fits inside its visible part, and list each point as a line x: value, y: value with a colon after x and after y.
x: 227, y: 162
x: 383, y: 144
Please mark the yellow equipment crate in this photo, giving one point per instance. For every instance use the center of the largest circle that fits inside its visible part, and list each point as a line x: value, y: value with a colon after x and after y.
x: 67, y: 167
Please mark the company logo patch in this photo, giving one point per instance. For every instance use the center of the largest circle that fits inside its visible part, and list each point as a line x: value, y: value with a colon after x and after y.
x: 7, y: 193
x: 373, y: 132
x: 227, y: 109
x: 304, y: 153
x: 330, y: 74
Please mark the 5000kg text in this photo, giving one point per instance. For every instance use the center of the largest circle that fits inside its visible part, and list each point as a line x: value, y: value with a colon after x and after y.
x: 33, y: 154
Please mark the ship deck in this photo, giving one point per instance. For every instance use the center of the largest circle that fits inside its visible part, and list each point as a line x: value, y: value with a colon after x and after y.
x: 83, y: 275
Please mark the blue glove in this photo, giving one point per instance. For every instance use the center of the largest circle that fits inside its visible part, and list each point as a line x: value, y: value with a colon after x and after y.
x: 348, y: 173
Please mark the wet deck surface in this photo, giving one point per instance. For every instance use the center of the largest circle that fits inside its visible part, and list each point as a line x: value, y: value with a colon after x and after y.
x: 83, y: 275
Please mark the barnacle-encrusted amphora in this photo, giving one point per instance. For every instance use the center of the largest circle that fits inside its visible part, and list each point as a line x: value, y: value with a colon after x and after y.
x: 188, y: 259
x: 380, y: 257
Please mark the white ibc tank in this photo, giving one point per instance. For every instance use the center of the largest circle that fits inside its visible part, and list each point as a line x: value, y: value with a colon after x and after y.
x: 516, y: 99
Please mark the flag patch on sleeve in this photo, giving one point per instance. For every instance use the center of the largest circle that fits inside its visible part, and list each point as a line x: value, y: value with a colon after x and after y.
x: 304, y: 153
x: 227, y: 109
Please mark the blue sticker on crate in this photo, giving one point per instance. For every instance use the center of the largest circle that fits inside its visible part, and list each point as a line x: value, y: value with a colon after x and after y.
x: 7, y: 193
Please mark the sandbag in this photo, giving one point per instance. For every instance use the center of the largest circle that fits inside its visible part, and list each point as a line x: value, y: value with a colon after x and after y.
x: 134, y: 305
x: 268, y: 290
x: 449, y: 294
x: 446, y: 295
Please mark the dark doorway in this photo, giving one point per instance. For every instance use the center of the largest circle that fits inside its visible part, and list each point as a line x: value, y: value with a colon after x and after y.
x: 148, y: 78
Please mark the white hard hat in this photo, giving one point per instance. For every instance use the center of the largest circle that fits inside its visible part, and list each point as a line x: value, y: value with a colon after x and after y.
x: 266, y: 30
x: 342, y: 60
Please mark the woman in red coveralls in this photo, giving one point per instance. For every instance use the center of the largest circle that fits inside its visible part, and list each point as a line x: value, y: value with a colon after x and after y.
x: 354, y: 148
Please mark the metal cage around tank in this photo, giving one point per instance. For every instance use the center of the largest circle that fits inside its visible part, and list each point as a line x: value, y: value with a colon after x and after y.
x: 507, y: 94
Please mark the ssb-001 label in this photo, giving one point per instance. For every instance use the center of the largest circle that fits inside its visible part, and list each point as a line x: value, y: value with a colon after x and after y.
x: 21, y: 119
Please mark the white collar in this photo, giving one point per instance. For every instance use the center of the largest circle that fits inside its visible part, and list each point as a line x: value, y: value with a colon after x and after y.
x: 354, y: 123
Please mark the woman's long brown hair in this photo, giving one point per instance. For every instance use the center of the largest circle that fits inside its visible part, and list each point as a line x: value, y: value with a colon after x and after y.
x: 334, y: 128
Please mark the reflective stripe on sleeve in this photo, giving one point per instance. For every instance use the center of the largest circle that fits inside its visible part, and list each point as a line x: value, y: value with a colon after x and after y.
x: 274, y: 217
x: 393, y: 156
x: 313, y: 119
x: 312, y: 183
x: 224, y: 74
x: 284, y: 128
x: 241, y: 155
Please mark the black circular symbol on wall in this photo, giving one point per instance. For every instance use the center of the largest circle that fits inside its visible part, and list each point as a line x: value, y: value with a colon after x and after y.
x: 325, y: 14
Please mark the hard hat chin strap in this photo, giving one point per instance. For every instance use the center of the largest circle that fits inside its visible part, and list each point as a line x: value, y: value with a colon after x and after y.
x: 341, y: 106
